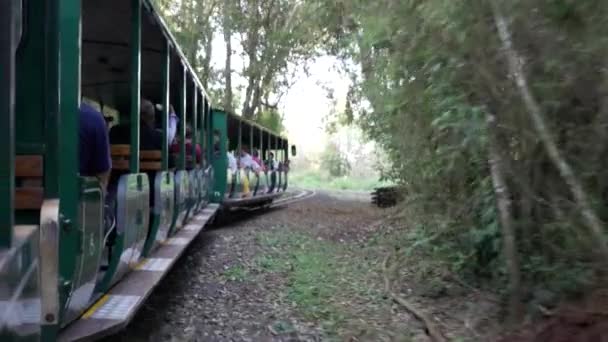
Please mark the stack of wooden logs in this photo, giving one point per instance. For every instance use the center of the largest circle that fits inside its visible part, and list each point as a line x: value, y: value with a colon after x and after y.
x: 386, y: 196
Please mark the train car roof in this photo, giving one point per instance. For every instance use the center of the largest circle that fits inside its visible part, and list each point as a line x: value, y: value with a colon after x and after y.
x: 106, y: 39
x: 169, y: 36
x: 238, y: 118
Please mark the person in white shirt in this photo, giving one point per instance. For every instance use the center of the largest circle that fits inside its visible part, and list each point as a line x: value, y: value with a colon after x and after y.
x: 246, y: 161
x: 172, y: 124
x: 232, y: 166
x: 172, y: 127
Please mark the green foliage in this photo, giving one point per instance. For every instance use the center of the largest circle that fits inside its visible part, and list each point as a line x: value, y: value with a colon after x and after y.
x: 321, y: 180
x: 272, y: 120
x: 334, y: 161
x: 430, y: 72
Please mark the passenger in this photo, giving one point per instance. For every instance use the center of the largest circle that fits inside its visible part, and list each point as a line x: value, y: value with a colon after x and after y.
x: 256, y: 158
x: 94, y: 150
x: 149, y: 138
x: 246, y: 161
x: 95, y: 159
x: 272, y: 163
x: 176, y: 145
x: 109, y: 120
x: 232, y: 165
x: 172, y: 127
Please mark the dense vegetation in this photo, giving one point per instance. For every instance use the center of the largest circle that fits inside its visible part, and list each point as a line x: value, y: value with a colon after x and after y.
x: 494, y: 115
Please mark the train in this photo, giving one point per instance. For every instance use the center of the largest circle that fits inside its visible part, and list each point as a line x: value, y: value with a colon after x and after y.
x: 65, y: 274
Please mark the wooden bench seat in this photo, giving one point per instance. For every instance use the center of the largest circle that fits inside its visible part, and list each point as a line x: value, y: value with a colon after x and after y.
x: 149, y: 160
x: 29, y: 191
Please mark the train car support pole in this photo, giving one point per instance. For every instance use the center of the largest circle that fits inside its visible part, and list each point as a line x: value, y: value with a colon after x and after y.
x: 182, y: 123
x: 8, y: 47
x: 201, y: 138
x: 261, y: 145
x: 240, y: 142
x: 135, y: 83
x: 166, y: 106
x: 65, y: 60
x: 194, y: 125
x: 269, y: 146
x: 251, y: 139
x: 210, y: 134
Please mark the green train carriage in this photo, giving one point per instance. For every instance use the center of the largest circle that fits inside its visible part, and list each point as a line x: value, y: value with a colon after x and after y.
x: 61, y: 275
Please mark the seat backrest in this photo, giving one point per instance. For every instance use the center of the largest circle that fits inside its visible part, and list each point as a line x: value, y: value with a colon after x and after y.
x: 29, y: 191
x: 149, y: 160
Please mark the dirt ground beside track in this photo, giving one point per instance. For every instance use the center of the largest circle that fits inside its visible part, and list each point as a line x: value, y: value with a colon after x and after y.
x: 216, y: 292
x: 309, y: 271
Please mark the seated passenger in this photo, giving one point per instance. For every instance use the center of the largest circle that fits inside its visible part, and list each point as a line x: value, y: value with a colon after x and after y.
x: 176, y: 145
x: 172, y: 127
x: 232, y: 166
x: 94, y: 155
x: 94, y: 150
x: 256, y: 158
x: 246, y: 161
x: 272, y: 163
x: 149, y: 138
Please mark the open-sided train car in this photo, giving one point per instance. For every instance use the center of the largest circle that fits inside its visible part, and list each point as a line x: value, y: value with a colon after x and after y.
x: 65, y: 273
x: 248, y: 187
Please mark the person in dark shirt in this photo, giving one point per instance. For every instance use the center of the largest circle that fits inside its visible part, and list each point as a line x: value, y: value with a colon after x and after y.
x: 149, y: 137
x: 94, y: 150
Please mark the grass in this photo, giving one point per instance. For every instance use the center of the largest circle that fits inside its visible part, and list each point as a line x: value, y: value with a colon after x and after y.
x: 235, y: 273
x: 317, y: 180
x: 324, y: 278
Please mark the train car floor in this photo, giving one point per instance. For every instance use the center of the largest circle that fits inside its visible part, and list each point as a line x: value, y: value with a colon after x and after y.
x: 114, y: 310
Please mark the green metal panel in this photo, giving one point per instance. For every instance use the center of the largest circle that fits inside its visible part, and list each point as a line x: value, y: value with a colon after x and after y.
x: 31, y: 77
x: 165, y: 115
x: 182, y: 186
x: 220, y: 160
x: 67, y: 141
x: 52, y: 120
x: 194, y: 123
x: 90, y: 245
x: 182, y: 122
x: 162, y: 215
x: 135, y: 83
x: 8, y: 47
x: 132, y: 218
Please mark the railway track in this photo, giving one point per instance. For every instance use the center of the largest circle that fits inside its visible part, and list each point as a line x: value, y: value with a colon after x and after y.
x: 298, y: 195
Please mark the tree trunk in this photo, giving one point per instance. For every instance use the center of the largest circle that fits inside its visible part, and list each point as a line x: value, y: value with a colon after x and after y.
x: 504, y: 205
x: 592, y: 222
x: 228, y: 65
x: 206, y: 11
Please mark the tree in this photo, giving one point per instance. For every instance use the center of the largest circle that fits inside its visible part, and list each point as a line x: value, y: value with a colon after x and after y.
x: 227, y: 31
x: 428, y: 76
x: 275, y: 37
x: 334, y: 161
